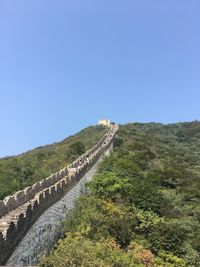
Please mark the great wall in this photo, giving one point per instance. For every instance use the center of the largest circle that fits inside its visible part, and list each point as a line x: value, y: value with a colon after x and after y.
x: 30, y: 220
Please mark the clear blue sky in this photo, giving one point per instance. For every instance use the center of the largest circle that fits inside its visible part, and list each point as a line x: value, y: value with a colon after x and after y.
x: 65, y: 64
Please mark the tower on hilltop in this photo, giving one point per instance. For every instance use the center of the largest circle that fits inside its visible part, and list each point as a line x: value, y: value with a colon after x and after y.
x: 104, y: 122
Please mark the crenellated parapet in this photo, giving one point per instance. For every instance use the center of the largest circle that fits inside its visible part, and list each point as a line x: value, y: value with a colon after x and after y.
x: 19, y: 198
x: 21, y: 210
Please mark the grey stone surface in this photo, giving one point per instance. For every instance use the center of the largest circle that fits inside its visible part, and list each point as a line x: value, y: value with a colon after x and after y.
x: 18, y: 214
x: 43, y: 235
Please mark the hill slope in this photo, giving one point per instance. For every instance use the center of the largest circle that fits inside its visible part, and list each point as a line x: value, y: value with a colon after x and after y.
x: 144, y: 205
x: 20, y: 171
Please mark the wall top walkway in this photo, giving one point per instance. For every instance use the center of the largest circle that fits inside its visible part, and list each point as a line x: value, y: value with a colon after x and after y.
x: 20, y: 211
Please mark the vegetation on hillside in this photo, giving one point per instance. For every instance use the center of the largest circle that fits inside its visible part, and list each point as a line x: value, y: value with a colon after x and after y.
x: 143, y: 208
x: 18, y: 172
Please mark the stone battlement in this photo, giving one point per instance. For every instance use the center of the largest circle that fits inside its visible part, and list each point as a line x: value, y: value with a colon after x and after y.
x: 21, y: 210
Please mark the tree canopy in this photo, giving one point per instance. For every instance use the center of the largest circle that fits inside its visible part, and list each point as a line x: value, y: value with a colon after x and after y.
x: 143, y: 207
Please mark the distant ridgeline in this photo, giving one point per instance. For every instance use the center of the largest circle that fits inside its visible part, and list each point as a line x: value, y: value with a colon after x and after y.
x: 21, y: 210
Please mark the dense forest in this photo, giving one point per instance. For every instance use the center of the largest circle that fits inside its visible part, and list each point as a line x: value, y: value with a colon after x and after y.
x: 18, y: 172
x: 143, y: 207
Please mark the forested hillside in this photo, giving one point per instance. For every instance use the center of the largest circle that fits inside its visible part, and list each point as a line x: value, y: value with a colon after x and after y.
x: 23, y: 170
x: 143, y: 207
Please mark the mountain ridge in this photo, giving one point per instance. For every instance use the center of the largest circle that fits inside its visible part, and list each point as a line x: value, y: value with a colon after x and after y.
x: 18, y: 172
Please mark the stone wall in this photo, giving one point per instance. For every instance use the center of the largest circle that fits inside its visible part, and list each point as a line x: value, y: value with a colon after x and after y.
x: 43, y: 235
x: 20, y: 211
